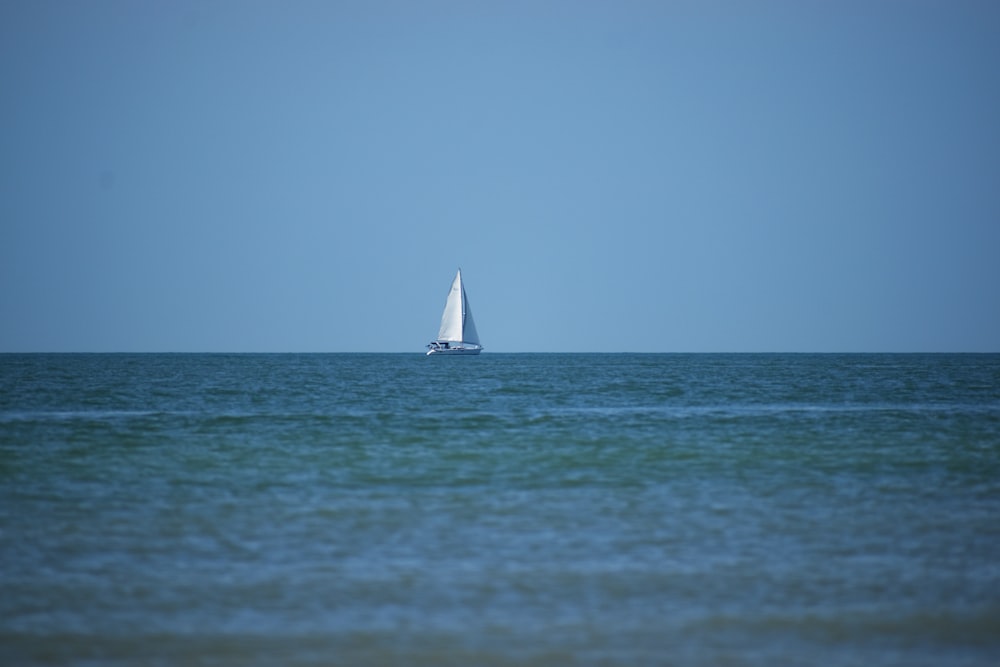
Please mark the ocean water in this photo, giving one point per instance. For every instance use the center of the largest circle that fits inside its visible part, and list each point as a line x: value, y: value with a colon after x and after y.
x: 507, y: 509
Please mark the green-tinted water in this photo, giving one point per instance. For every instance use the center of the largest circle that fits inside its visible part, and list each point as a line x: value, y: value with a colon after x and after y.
x: 500, y: 510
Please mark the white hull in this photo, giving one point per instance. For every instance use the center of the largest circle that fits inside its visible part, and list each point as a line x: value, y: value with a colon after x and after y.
x: 454, y: 350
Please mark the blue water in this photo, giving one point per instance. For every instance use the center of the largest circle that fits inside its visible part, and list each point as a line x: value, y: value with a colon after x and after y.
x: 500, y: 510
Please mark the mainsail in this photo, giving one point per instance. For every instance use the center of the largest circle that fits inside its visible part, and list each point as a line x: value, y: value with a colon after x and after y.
x: 457, y: 325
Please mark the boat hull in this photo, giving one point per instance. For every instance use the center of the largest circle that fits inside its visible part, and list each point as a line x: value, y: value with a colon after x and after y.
x: 454, y: 351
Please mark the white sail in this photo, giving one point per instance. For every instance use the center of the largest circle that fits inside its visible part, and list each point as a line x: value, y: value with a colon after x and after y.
x: 469, y: 333
x: 453, y: 316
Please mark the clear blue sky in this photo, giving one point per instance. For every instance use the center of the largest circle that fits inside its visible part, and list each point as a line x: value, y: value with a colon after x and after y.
x: 654, y: 176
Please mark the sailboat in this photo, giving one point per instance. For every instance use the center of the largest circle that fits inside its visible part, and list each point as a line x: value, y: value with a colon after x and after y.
x: 457, y: 334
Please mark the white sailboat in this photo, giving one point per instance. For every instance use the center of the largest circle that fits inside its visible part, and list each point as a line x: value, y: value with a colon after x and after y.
x: 457, y: 334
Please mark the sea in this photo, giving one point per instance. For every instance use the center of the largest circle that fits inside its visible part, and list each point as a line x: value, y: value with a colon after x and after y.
x: 500, y: 510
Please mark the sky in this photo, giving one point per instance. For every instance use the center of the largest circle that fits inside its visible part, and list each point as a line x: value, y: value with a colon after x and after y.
x: 665, y: 176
